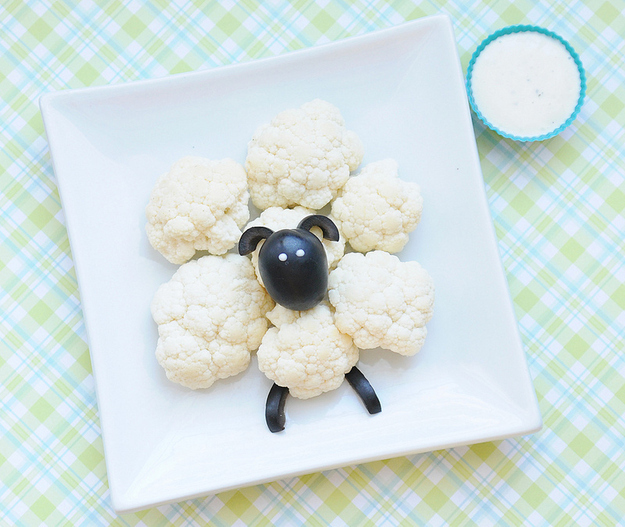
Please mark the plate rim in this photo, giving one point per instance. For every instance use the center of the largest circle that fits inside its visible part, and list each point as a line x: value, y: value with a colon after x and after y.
x: 48, y: 107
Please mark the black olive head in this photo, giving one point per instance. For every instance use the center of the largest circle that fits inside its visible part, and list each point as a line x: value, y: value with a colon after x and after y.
x: 294, y: 268
x: 292, y: 262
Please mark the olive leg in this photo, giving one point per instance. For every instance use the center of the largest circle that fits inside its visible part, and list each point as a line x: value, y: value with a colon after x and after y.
x: 274, y: 408
x: 364, y: 390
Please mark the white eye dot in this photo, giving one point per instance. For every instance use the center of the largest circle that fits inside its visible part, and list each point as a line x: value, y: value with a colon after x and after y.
x: 300, y: 253
x: 282, y: 257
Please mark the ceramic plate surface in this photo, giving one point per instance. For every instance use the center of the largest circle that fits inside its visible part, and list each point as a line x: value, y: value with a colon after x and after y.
x: 402, y: 90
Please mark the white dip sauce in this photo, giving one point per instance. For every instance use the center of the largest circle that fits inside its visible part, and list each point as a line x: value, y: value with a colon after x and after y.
x: 526, y: 84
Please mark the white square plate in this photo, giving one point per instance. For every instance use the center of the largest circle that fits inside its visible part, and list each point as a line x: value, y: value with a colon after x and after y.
x: 402, y: 90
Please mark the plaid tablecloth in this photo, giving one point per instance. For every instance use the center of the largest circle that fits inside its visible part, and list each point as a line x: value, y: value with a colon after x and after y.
x: 559, y: 213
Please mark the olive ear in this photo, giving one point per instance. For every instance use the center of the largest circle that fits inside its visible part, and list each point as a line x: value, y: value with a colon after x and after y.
x: 330, y: 231
x: 251, y: 238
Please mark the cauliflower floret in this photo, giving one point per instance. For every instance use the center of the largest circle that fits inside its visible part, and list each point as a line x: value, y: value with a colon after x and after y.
x: 306, y: 352
x: 210, y: 316
x: 376, y: 210
x: 283, y: 315
x: 200, y: 204
x: 302, y: 157
x: 277, y: 218
x: 381, y: 301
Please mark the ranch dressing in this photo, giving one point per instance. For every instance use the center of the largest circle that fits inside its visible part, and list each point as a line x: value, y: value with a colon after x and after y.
x: 526, y: 84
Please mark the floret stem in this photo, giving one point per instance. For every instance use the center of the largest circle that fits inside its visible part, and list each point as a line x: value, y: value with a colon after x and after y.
x: 364, y: 390
x: 274, y: 408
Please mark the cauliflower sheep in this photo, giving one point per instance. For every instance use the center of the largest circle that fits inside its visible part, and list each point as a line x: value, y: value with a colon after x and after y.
x: 324, y: 305
x: 302, y: 157
x: 306, y: 352
x: 210, y: 316
x: 376, y: 210
x: 200, y: 204
x: 277, y: 218
x: 381, y: 301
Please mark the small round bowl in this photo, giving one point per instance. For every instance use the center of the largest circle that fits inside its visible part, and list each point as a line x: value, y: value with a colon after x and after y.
x: 519, y: 29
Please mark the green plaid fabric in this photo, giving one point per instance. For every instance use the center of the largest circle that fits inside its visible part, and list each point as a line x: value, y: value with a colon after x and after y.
x: 558, y: 208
